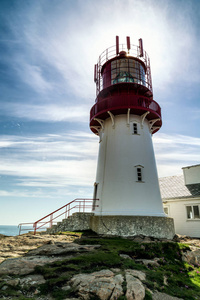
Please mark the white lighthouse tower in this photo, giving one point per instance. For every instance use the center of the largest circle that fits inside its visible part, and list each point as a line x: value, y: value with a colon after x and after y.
x: 127, y: 197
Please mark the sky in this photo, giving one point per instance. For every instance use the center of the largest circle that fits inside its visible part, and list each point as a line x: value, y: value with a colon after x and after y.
x: 48, y: 49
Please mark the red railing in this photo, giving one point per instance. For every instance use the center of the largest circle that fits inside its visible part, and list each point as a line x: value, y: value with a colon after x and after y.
x: 77, y: 205
x: 134, y: 52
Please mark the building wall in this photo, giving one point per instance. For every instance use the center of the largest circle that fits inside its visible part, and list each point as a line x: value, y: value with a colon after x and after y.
x: 177, y: 211
x: 192, y: 174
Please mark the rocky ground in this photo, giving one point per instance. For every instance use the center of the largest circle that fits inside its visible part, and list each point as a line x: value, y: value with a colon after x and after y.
x: 15, y: 246
x: 48, y: 267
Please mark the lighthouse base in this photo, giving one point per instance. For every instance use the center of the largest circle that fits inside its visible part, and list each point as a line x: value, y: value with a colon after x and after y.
x: 126, y: 226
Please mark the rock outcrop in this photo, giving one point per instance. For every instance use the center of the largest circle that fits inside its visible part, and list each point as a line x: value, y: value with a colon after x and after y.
x: 107, y: 284
x: 16, y: 246
x: 43, y: 255
x: 20, y: 255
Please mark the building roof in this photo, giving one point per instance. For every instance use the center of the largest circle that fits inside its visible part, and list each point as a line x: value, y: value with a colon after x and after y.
x: 174, y: 187
x: 191, y: 166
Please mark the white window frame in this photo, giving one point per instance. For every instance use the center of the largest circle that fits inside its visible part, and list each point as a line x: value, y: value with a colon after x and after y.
x: 135, y: 128
x: 139, y: 173
x: 192, y: 215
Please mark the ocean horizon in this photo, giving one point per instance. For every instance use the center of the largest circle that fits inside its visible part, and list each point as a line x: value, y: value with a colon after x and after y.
x: 13, y: 230
x: 9, y: 230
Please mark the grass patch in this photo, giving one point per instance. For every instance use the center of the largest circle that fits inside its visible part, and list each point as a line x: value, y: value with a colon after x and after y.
x: 148, y: 295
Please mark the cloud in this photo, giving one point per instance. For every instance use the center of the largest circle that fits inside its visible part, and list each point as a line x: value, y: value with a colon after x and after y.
x: 47, y: 112
x: 174, y: 152
x: 59, y: 172
x: 50, y: 160
x: 70, y: 160
x: 32, y: 75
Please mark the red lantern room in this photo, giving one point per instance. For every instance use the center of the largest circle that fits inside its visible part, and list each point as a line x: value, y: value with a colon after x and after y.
x: 123, y: 85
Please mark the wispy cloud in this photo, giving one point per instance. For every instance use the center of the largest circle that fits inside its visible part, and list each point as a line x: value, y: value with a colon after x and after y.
x: 174, y: 152
x: 32, y: 75
x: 70, y: 160
x: 47, y: 112
x: 50, y: 160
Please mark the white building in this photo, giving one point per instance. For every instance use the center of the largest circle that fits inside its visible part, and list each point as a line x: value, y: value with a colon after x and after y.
x: 181, y: 200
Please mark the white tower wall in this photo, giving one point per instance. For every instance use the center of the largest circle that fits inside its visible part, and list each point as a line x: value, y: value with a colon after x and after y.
x: 121, y: 152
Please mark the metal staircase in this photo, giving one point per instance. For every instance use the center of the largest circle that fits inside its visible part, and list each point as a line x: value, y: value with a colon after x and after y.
x: 80, y: 205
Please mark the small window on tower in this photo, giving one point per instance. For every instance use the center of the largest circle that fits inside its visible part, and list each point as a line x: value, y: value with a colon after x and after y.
x: 139, y: 174
x: 135, y: 128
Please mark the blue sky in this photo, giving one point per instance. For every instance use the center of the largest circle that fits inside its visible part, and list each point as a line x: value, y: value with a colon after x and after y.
x: 47, y: 52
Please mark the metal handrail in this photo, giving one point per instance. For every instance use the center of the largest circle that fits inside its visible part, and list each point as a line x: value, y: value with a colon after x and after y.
x: 110, y: 53
x: 133, y: 52
x: 80, y: 203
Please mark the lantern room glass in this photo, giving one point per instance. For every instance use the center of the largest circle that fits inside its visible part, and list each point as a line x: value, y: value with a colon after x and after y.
x: 127, y: 70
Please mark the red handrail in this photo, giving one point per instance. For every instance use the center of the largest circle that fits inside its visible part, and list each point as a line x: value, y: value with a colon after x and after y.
x: 79, y: 204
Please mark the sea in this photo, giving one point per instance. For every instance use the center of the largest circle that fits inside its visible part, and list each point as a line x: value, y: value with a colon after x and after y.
x: 9, y: 230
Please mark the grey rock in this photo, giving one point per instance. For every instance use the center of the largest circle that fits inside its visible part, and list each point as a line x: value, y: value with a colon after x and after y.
x: 61, y: 249
x: 115, y: 270
x: 138, y: 239
x: 71, y: 298
x: 147, y: 240
x: 13, y: 282
x: 147, y: 262
x: 66, y: 288
x: 32, y: 280
x: 25, y: 265
x: 125, y: 256
x: 11, y: 247
x: 105, y: 284
x: 139, y: 274
x: 192, y: 256
x: 135, y: 289
x: 163, y: 296
x: 45, y: 254
x: 5, y: 287
x: 103, y: 273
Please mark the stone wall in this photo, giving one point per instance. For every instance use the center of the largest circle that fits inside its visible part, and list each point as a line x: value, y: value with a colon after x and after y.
x: 158, y: 227
x: 76, y: 222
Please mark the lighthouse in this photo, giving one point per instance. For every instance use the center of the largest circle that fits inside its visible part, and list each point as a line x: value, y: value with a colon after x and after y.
x: 125, y: 116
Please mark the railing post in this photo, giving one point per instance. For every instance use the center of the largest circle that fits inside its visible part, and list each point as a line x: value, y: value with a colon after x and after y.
x: 35, y: 227
x: 66, y: 212
x: 19, y: 229
x: 51, y: 221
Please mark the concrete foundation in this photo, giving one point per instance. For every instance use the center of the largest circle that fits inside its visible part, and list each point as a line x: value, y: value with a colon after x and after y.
x: 158, y: 227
